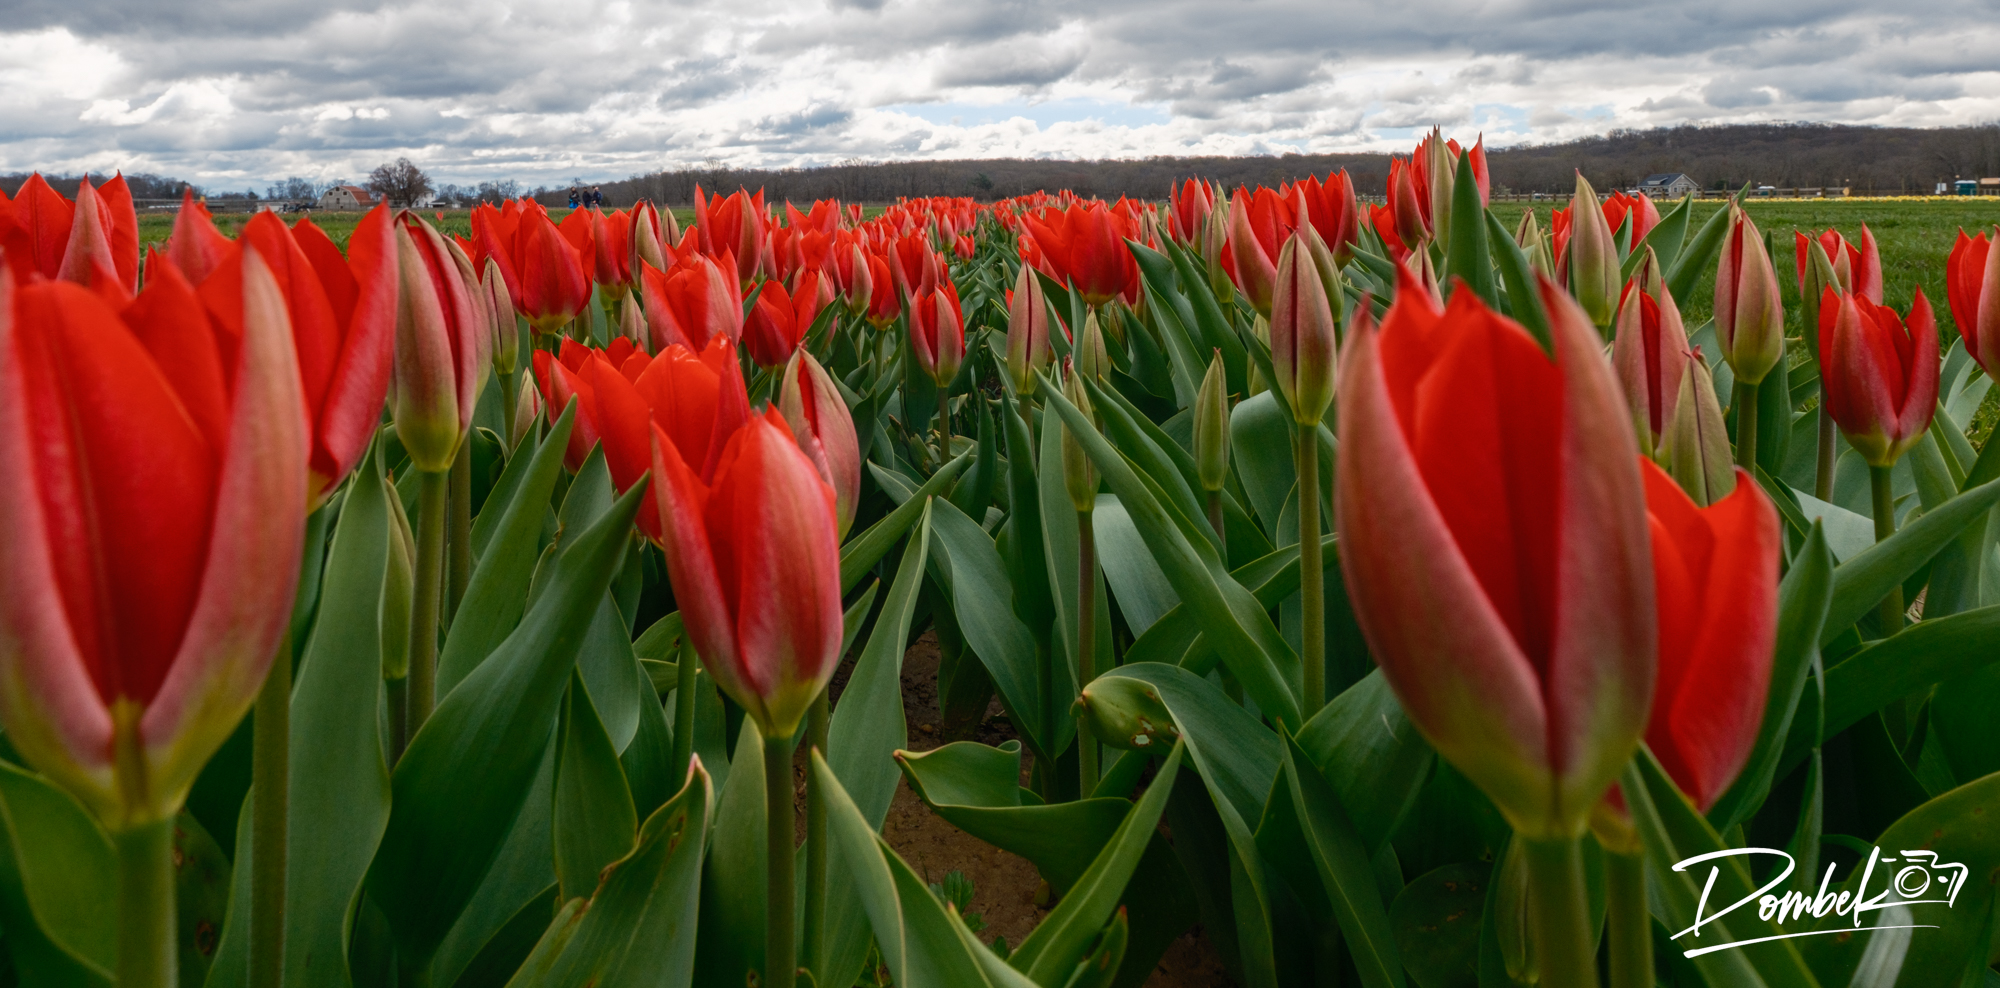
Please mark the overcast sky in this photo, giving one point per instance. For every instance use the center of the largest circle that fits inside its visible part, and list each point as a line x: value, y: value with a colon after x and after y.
x: 229, y: 93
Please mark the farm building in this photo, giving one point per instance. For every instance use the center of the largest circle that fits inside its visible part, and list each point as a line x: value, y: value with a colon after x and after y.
x: 1667, y: 185
x: 346, y: 197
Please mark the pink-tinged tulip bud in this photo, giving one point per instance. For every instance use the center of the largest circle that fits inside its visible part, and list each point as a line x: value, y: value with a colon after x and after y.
x: 500, y: 315
x: 1328, y: 268
x: 1092, y: 359
x: 1494, y: 538
x: 1211, y: 427
x: 1881, y: 377
x: 1593, y: 257
x: 1259, y: 224
x: 196, y: 246
x: 1405, y: 210
x: 857, y: 283
x: 1303, y: 342
x: 1528, y: 234
x: 526, y: 408
x: 152, y: 551
x: 821, y: 423
x: 1858, y: 269
x: 1440, y: 169
x: 399, y: 588
x: 1715, y: 579
x: 1972, y: 286
x: 440, y: 348
x: 1027, y: 331
x: 937, y: 333
x: 649, y: 238
x: 1079, y: 474
x: 632, y: 322
x: 1695, y: 446
x: 754, y: 557
x: 1650, y: 353
x: 1749, y: 319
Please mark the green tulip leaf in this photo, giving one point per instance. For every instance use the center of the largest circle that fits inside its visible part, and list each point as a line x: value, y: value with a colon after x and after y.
x: 1345, y: 875
x: 731, y: 937
x: 1143, y: 593
x: 594, y: 817
x: 969, y: 568
x: 57, y: 872
x: 1861, y: 582
x: 1436, y: 922
x: 1467, y: 256
x: 863, y: 551
x: 1364, y: 746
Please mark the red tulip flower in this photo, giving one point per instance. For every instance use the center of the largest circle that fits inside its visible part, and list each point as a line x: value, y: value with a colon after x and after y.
x: 820, y: 422
x: 1650, y: 353
x: 754, y: 557
x: 773, y: 329
x: 1303, y: 340
x: 692, y: 301
x: 494, y: 232
x: 443, y: 345
x: 883, y: 305
x: 1259, y: 224
x: 1644, y: 216
x: 1859, y: 269
x: 1084, y: 247
x: 913, y: 265
x: 1881, y: 376
x: 851, y: 271
x: 1494, y: 538
x: 1331, y: 207
x: 1715, y: 578
x: 1972, y: 286
x: 551, y: 284
x: 611, y: 239
x: 37, y: 229
x: 1187, y: 209
x: 196, y: 246
x: 735, y: 226
x: 103, y: 249
x: 937, y: 333
x: 153, y: 524
x: 1405, y: 209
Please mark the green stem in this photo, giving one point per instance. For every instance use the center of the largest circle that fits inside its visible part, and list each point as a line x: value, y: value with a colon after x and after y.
x: 1882, y: 486
x: 270, y: 787
x: 684, y: 708
x: 1745, y: 403
x: 1215, y: 522
x: 1086, y: 648
x: 1045, y: 679
x: 431, y: 499
x: 399, y: 718
x: 510, y: 396
x: 780, y: 966
x: 1559, y: 913
x: 816, y: 841
x: 944, y: 428
x: 1312, y: 579
x: 147, y: 957
x: 1630, y: 928
x: 459, y: 543
x: 1823, y: 479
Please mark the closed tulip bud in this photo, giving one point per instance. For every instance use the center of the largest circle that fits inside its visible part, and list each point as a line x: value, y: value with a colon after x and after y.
x: 1972, y: 286
x: 1881, y: 376
x: 1528, y: 234
x: 1423, y: 275
x: 1441, y: 168
x: 937, y: 333
x: 754, y: 557
x: 1649, y: 353
x: 1695, y: 446
x: 1079, y: 474
x: 632, y: 321
x: 1027, y: 331
x: 1211, y: 427
x: 649, y: 240
x: 1328, y: 268
x: 526, y: 409
x: 1593, y: 256
x: 433, y: 313
x: 1092, y: 359
x: 506, y: 325
x: 398, y: 588
x: 1303, y: 342
x: 818, y: 415
x: 1124, y: 712
x: 1749, y: 319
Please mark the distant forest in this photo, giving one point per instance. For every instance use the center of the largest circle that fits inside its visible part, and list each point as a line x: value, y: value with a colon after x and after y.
x: 1868, y: 159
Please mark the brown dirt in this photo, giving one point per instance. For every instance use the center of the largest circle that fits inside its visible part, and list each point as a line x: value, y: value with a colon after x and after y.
x: 1006, y: 887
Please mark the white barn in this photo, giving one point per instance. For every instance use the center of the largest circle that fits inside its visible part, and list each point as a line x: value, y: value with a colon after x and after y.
x: 1668, y: 185
x: 346, y: 197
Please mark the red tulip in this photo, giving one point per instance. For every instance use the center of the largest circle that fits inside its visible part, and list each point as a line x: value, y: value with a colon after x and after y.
x: 1972, y: 286
x: 692, y: 301
x: 1259, y: 224
x: 153, y: 524
x: 1493, y: 536
x: 1404, y: 208
x: 196, y: 246
x: 442, y: 346
x: 1303, y: 340
x: 1650, y: 353
x: 1644, y: 215
x: 754, y: 559
x: 1715, y: 574
x: 1084, y: 247
x: 37, y: 229
x: 964, y: 247
x: 1749, y: 318
x: 1881, y: 377
x: 1332, y: 209
x: 1859, y: 269
x: 850, y: 268
x: 550, y: 284
x: 913, y: 265
x: 937, y: 333
x: 820, y: 422
x: 772, y: 330
x: 493, y: 237
x: 883, y: 305
x: 612, y: 240
x: 734, y: 226
x: 1188, y: 208
x: 103, y: 249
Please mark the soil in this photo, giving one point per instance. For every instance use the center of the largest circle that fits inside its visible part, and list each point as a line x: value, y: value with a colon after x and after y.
x: 1006, y: 887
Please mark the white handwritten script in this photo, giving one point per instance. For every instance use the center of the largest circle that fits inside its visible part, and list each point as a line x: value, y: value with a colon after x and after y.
x: 1911, y: 879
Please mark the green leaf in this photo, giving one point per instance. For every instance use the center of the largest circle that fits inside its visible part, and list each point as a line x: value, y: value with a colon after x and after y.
x: 1803, y: 598
x: 1524, y: 300
x: 1368, y: 751
x: 863, y: 551
x: 1861, y: 582
x: 594, y: 817
x: 1143, y: 593
x: 498, y: 591
x: 1666, y: 238
x: 1344, y: 871
x: 1100, y: 966
x: 1060, y: 560
x: 1123, y: 431
x: 1193, y: 304
x: 1054, y: 947
x: 57, y: 874
x: 1271, y: 578
x: 639, y: 929
x: 523, y: 878
x: 612, y: 674
x: 732, y: 928
x: 1436, y: 923
x: 977, y: 581
x: 466, y: 773
x: 1467, y: 254
x: 1694, y: 260
x: 340, y: 804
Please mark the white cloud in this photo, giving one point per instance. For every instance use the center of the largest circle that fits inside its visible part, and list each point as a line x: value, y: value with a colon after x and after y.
x: 238, y: 92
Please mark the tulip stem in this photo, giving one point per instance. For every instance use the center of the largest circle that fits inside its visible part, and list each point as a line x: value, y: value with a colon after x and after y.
x: 1215, y: 522
x: 780, y: 965
x: 1086, y: 648
x: 815, y: 932
x: 270, y: 788
x: 1746, y: 426
x: 431, y: 497
x: 459, y: 543
x: 1882, y: 485
x: 1630, y: 928
x: 1312, y: 593
x: 944, y: 428
x: 147, y: 956
x: 1823, y: 479
x: 684, y: 714
x: 1559, y: 913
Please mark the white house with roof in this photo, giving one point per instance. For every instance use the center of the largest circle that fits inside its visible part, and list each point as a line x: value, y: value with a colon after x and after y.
x: 1667, y: 185
x: 346, y: 197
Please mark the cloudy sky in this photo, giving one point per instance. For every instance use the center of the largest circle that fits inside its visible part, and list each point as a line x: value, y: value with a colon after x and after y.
x: 230, y: 93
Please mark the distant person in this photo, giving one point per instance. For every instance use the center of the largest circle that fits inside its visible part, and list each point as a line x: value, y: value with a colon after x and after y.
x: 572, y: 198
x: 597, y: 197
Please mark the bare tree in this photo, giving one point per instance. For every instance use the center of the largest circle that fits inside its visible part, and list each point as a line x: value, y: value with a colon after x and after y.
x: 295, y: 188
x: 402, y: 182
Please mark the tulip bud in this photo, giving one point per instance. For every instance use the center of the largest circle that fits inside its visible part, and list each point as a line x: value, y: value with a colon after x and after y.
x: 1749, y: 319
x: 1695, y: 445
x: 1880, y: 375
x: 1528, y: 234
x: 1328, y: 269
x: 647, y: 246
x: 1211, y: 427
x: 1303, y: 342
x: 937, y: 334
x: 423, y: 389
x: 500, y: 311
x: 1649, y: 353
x: 1124, y: 712
x: 632, y: 322
x: 1092, y: 359
x: 1424, y: 272
x: 398, y: 588
x: 1441, y: 170
x: 526, y: 409
x: 1972, y: 286
x: 1027, y: 331
x: 1079, y: 474
x: 816, y: 411
x: 1593, y: 256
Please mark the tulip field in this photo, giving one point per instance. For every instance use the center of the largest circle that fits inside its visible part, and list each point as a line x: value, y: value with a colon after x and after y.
x: 1427, y: 593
